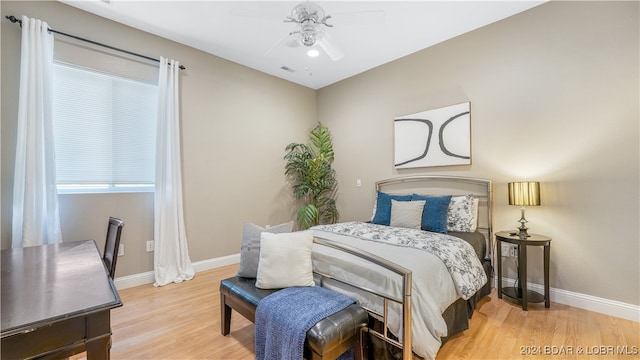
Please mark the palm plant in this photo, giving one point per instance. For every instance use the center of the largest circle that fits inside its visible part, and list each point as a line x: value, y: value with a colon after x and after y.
x: 308, y: 167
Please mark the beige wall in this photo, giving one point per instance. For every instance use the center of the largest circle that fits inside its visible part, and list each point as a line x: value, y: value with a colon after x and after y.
x: 235, y: 124
x: 554, y: 98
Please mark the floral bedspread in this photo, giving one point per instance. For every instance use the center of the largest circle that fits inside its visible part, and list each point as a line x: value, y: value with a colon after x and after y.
x: 456, y: 254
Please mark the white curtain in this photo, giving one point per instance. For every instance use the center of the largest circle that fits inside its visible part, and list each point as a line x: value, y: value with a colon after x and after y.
x: 36, y: 219
x: 171, y: 256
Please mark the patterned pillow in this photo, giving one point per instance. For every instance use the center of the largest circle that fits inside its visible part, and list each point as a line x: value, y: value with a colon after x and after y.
x: 250, y: 250
x: 407, y: 214
x: 462, y: 214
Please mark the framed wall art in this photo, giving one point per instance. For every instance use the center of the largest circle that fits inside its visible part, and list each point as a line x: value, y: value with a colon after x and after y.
x: 438, y: 137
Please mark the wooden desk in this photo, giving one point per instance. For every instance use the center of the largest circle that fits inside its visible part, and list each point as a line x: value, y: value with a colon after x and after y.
x: 56, y: 302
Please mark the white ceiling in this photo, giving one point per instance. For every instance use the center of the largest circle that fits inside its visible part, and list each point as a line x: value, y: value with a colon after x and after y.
x: 369, y: 33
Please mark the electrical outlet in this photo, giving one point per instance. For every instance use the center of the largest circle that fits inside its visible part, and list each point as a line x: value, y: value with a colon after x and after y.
x: 150, y: 245
x: 509, y: 250
x: 505, y: 250
x: 121, y: 250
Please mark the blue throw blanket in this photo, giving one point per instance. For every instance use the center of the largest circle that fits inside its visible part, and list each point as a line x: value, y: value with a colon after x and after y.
x: 284, y: 317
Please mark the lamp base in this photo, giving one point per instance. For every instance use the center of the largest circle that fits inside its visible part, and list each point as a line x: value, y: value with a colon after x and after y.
x: 522, y: 230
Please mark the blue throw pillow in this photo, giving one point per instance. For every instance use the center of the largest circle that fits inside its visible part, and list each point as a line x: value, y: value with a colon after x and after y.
x: 383, y: 207
x: 434, y: 215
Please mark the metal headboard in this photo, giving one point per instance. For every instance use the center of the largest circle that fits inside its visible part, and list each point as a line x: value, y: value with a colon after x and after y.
x: 453, y: 185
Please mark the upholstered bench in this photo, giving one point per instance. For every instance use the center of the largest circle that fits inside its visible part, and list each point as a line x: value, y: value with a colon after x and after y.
x: 327, y: 339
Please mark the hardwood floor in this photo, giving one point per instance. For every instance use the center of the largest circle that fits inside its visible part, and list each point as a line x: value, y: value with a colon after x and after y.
x: 501, y: 330
x: 182, y: 321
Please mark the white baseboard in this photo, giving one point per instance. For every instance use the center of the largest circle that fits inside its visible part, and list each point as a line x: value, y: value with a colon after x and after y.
x: 581, y: 301
x: 586, y: 302
x: 145, y: 278
x: 216, y: 263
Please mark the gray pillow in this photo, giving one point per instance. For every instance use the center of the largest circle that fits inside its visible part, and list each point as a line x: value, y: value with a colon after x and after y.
x: 407, y: 214
x: 250, y: 250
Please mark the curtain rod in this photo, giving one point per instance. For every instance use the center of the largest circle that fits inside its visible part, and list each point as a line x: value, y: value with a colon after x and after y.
x: 14, y: 20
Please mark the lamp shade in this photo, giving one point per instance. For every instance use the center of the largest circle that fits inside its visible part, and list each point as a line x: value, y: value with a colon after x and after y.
x: 524, y: 193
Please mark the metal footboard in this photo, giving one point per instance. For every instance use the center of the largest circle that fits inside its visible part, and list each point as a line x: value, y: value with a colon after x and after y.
x: 404, y: 300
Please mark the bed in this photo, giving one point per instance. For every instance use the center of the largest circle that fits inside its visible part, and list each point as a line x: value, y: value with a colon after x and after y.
x: 434, y: 283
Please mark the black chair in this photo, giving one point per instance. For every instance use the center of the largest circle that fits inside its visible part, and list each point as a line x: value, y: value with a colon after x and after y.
x: 110, y: 255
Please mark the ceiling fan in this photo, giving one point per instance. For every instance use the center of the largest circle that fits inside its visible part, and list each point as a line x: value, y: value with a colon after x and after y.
x: 311, y: 21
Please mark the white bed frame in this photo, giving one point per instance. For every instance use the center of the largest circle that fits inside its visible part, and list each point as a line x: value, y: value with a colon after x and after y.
x: 424, y: 185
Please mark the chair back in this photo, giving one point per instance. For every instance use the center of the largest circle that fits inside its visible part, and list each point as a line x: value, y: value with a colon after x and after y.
x: 111, y: 245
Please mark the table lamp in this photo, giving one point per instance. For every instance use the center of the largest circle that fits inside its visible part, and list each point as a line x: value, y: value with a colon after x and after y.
x: 524, y: 193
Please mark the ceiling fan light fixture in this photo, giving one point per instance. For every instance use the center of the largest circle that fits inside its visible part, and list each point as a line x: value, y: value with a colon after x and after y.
x: 308, y: 11
x: 309, y: 34
x: 308, y: 39
x: 310, y: 31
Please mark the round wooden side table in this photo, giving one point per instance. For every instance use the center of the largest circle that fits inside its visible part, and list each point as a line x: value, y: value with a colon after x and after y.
x: 521, y: 293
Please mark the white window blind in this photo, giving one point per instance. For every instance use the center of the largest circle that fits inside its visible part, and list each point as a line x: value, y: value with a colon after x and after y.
x: 104, y: 128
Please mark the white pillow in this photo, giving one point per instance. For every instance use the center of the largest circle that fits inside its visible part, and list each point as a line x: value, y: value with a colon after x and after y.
x: 250, y: 250
x: 407, y: 214
x: 285, y: 260
x: 463, y: 214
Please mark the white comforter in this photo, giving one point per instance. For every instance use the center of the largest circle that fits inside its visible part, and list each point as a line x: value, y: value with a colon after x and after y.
x: 433, y: 287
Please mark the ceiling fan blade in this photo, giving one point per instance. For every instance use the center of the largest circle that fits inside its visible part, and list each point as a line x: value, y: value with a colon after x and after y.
x: 253, y: 11
x: 285, y: 40
x: 293, y: 42
x: 359, y: 18
x: 330, y: 48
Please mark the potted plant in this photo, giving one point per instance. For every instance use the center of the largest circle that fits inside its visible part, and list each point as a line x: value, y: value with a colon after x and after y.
x: 308, y: 167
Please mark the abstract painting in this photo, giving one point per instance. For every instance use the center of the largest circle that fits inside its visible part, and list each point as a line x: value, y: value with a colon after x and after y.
x: 437, y: 137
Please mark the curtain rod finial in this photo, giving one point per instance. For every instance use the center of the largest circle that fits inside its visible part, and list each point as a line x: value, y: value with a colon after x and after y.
x: 14, y: 19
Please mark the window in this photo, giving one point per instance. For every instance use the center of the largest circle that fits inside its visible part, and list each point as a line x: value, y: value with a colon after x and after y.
x: 104, y: 129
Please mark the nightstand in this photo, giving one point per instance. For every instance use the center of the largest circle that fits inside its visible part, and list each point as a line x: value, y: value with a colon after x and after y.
x: 521, y: 293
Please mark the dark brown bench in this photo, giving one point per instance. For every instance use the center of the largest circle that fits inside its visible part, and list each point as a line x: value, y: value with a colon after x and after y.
x: 327, y: 339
